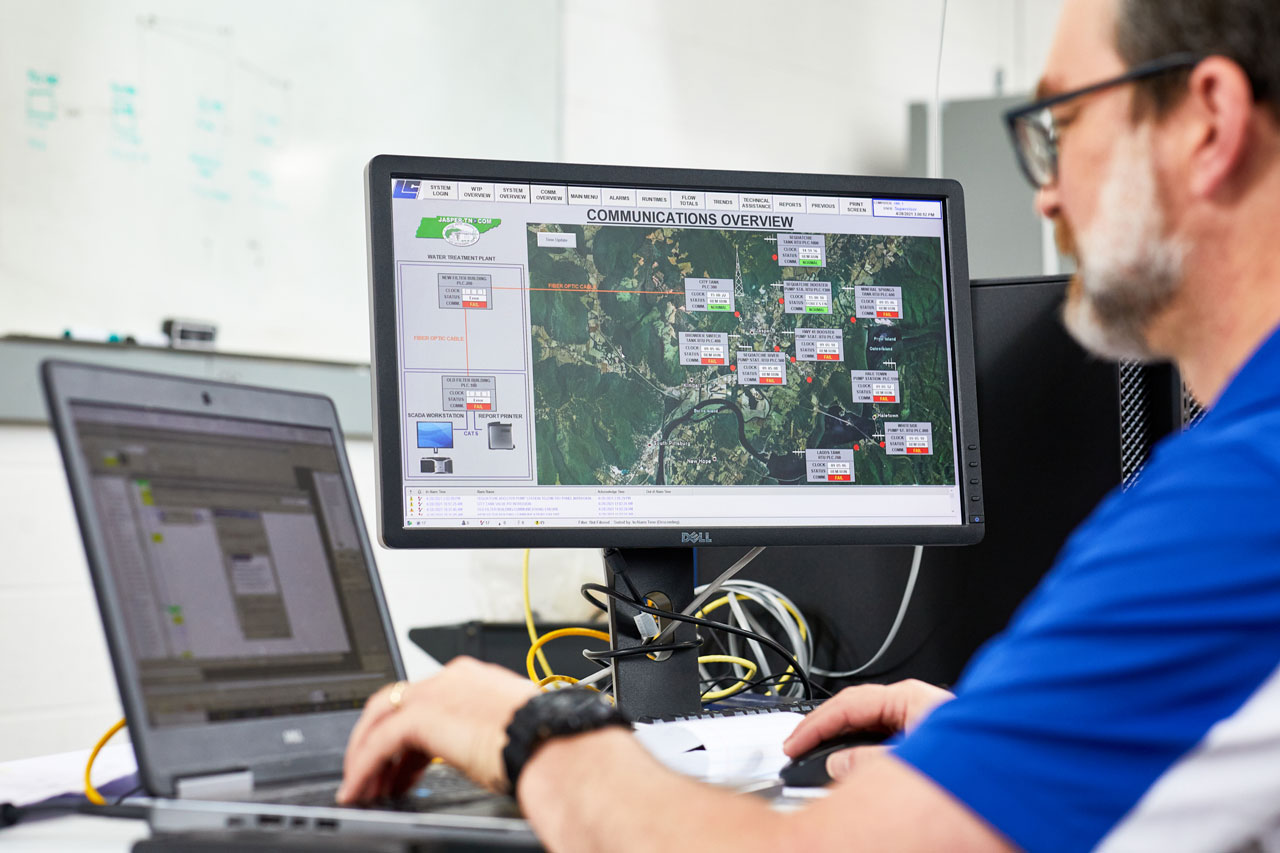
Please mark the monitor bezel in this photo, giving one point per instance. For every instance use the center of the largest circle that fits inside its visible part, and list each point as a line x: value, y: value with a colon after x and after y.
x: 384, y: 354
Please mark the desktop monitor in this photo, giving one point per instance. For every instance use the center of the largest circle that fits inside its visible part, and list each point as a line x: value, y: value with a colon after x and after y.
x: 657, y: 359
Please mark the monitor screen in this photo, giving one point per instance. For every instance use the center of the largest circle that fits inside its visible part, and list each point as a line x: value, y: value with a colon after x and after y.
x: 622, y: 350
x: 240, y: 569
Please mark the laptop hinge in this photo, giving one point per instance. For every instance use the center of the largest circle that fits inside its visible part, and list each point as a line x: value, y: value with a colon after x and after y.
x: 236, y: 785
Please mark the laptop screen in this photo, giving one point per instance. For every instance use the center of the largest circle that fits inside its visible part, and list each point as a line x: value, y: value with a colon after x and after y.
x: 233, y: 546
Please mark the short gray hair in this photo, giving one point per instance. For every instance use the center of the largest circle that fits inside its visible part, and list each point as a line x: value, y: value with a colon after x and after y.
x: 1246, y: 31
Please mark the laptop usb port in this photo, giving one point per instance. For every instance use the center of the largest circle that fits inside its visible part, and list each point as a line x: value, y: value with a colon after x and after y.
x: 270, y: 820
x: 327, y: 823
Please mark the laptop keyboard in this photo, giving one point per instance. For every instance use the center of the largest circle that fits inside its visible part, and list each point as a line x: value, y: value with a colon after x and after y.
x: 439, y: 786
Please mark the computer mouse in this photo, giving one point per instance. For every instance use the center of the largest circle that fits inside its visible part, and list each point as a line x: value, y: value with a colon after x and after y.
x: 809, y: 769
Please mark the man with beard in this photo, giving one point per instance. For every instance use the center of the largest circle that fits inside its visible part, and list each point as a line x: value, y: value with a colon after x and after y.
x: 1134, y: 701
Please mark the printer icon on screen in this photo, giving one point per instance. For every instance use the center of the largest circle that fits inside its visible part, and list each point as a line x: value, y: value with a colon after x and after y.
x: 500, y: 436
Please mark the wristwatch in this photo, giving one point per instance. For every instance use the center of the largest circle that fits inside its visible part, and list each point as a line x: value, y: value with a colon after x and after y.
x: 567, y: 711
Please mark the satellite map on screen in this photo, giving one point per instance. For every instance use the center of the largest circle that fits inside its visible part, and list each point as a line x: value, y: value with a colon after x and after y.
x: 695, y: 356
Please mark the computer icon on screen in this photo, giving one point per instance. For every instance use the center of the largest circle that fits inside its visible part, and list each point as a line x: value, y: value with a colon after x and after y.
x: 658, y: 359
x: 435, y: 434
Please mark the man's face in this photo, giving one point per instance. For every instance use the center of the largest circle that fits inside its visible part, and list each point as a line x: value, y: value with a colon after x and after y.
x: 1106, y: 205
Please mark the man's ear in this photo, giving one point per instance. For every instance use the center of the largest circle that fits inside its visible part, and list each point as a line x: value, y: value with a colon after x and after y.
x: 1219, y: 106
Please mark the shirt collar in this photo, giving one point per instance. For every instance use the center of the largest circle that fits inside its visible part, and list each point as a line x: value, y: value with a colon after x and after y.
x: 1257, y: 380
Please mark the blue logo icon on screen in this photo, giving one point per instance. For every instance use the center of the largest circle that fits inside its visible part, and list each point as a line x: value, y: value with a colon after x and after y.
x: 435, y: 434
x: 405, y: 189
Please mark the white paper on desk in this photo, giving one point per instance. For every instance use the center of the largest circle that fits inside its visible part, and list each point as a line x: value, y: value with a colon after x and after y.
x: 722, y: 749
x: 30, y: 780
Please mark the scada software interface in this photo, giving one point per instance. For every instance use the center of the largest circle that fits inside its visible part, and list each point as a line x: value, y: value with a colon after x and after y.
x: 574, y: 356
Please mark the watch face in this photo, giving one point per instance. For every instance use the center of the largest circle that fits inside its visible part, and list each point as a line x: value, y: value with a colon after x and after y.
x: 571, y: 701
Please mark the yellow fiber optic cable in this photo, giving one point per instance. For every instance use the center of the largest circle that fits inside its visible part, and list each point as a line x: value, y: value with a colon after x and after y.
x: 528, y: 621
x: 90, y: 791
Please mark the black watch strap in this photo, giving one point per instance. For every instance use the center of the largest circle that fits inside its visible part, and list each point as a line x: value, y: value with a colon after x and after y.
x: 556, y: 713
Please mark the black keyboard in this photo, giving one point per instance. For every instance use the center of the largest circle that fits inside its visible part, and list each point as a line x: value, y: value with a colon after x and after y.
x: 737, y: 710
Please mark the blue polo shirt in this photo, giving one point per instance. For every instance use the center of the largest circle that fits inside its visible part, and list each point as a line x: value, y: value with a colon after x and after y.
x: 1134, y: 701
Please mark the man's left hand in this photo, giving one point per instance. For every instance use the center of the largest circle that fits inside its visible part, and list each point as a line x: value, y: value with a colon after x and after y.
x: 459, y: 715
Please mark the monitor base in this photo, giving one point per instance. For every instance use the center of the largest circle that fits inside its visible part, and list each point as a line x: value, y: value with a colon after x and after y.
x: 645, y: 687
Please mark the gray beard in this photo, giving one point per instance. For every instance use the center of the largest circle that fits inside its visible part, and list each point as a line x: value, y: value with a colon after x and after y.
x: 1130, y: 271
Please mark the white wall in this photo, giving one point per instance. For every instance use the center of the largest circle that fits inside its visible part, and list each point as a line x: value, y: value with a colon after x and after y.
x: 813, y: 86
x: 234, y: 191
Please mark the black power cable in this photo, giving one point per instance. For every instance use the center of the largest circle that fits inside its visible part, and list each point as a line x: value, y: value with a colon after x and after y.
x: 588, y: 588
x: 635, y: 651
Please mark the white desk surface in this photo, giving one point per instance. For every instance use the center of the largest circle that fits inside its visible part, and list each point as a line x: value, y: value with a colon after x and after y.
x: 31, y: 779
x: 78, y: 833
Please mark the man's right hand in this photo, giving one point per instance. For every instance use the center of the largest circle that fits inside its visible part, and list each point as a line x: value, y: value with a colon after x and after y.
x: 880, y: 707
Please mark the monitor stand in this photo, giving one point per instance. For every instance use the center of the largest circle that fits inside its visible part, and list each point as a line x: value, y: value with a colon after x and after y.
x: 642, y: 686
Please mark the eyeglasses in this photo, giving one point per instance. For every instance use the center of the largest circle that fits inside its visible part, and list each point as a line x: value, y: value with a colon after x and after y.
x: 1035, y: 132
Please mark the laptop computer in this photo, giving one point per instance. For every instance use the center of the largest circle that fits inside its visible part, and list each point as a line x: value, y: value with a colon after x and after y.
x: 241, y: 604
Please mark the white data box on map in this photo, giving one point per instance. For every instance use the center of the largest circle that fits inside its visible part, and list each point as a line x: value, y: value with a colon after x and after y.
x: 557, y: 239
x: 762, y: 368
x: 878, y: 303
x: 703, y: 348
x: 829, y: 466
x: 908, y: 438
x: 876, y: 386
x: 708, y: 294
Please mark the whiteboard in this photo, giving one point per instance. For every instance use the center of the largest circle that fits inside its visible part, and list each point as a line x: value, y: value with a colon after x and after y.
x: 205, y: 160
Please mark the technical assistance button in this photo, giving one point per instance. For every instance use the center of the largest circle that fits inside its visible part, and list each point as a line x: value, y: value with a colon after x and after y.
x: 976, y: 519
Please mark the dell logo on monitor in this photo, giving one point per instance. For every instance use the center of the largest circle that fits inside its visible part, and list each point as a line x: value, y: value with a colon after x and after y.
x: 292, y: 736
x: 702, y: 538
